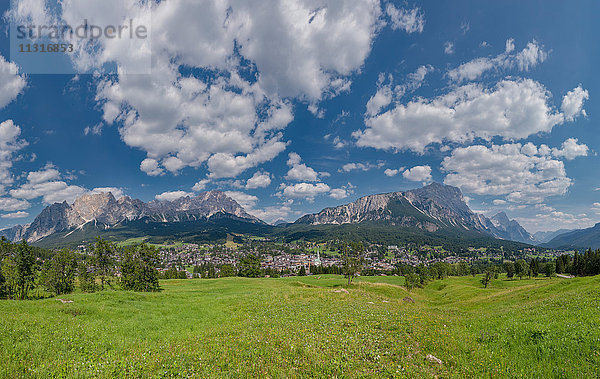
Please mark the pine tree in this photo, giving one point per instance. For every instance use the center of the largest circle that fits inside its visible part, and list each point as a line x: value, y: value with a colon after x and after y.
x: 560, y: 265
x: 549, y: 269
x: 302, y: 271
x: 534, y: 268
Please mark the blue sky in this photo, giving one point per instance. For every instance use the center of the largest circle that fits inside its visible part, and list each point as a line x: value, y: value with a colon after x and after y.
x: 292, y: 108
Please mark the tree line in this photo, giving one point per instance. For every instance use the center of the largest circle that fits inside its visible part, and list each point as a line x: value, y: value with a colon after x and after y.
x: 25, y: 274
x: 586, y: 264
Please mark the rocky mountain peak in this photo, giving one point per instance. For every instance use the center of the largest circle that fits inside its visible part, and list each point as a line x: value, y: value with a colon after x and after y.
x: 439, y: 189
x: 52, y: 219
x: 93, y: 206
x: 431, y: 208
x: 442, y: 194
x: 501, y: 219
x: 508, y: 229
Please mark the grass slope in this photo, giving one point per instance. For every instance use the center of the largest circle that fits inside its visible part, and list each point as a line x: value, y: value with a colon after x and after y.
x: 300, y: 327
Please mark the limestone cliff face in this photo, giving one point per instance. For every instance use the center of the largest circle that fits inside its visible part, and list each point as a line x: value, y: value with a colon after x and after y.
x: 430, y: 208
x: 102, y: 208
x: 368, y: 208
x: 511, y: 229
x: 52, y: 219
x: 16, y: 233
x: 206, y: 204
x: 104, y: 211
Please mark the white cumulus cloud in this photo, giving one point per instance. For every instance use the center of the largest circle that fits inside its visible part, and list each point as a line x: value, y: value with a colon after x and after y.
x: 8, y: 204
x: 387, y: 93
x: 393, y: 171
x: 338, y: 193
x: 200, y: 185
x: 352, y: 166
x: 571, y: 149
x: 48, y: 184
x: 418, y: 174
x: 510, y: 170
x: 9, y: 145
x: 15, y: 215
x: 245, y: 200
x: 227, y: 123
x: 307, y: 191
x: 529, y: 57
x: 299, y: 171
x: 260, y: 179
x: 11, y: 83
x: 572, y: 104
x: 172, y: 195
x: 513, y: 109
x: 449, y: 48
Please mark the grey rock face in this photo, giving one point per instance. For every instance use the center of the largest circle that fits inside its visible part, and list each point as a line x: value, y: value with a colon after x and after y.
x: 16, y: 233
x: 206, y: 204
x: 51, y: 220
x: 432, y: 207
x: 510, y: 229
x: 103, y: 210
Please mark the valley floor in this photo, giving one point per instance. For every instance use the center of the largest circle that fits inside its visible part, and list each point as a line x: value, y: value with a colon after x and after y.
x: 302, y: 327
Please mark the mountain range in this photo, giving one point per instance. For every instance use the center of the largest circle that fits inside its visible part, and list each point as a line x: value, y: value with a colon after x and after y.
x: 435, y: 209
x: 103, y: 211
x: 576, y: 239
x: 430, y: 208
x: 545, y: 237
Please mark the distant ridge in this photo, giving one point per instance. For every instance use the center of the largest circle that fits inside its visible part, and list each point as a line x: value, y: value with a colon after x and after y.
x: 545, y: 237
x: 577, y: 239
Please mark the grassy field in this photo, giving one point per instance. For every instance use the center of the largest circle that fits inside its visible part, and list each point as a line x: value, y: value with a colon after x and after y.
x: 139, y: 240
x: 230, y: 244
x: 302, y: 327
x: 322, y: 248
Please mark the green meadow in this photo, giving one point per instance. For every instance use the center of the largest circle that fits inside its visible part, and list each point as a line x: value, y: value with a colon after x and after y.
x: 139, y: 240
x: 309, y: 327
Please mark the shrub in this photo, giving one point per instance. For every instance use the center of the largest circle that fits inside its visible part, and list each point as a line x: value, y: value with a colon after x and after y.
x: 412, y: 281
